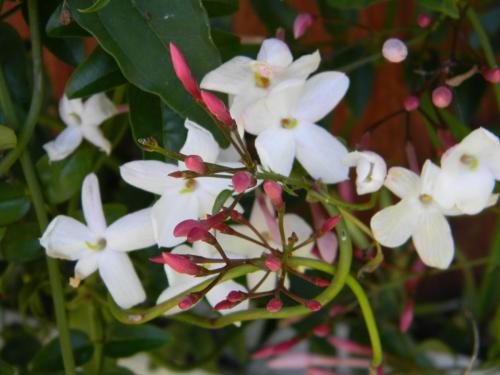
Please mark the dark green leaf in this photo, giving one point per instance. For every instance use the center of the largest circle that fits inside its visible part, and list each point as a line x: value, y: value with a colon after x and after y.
x: 98, y: 5
x: 8, y: 138
x: 123, y: 340
x: 49, y: 358
x: 6, y: 369
x: 174, y: 132
x: 457, y: 127
x: 21, y: 244
x: 218, y: 8
x: 348, y: 4
x: 447, y: 7
x: 222, y: 197
x: 99, y: 72
x: 14, y: 203
x: 61, y: 24
x: 228, y: 43
x: 137, y: 34
x: 19, y: 346
x: 360, y: 89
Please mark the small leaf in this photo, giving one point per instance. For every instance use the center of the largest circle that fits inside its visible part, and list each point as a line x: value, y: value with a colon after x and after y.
x: 98, y: 5
x: 8, y: 138
x: 124, y: 341
x: 223, y: 196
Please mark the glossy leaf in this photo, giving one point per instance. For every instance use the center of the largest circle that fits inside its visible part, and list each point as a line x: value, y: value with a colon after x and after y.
x: 218, y: 8
x: 99, y: 72
x: 62, y: 24
x: 8, y: 138
x: 228, y: 43
x: 16, y: 337
x: 14, y: 203
x: 447, y: 7
x: 98, y: 5
x: 221, y: 198
x: 21, y: 243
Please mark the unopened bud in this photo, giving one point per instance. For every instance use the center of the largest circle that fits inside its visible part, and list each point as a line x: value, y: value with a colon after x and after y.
x: 313, y: 305
x: 224, y: 305
x: 149, y: 144
x: 200, y: 234
x: 274, y: 305
x: 184, y: 227
x: 217, y: 108
x: 330, y: 223
x: 394, y: 50
x: 424, y: 20
x: 177, y: 174
x: 302, y: 22
x: 242, y: 181
x: 223, y: 228
x: 183, y: 72
x: 188, y: 301
x: 274, y: 190
x: 236, y: 216
x: 195, y: 164
x: 322, y: 283
x: 492, y: 75
x: 322, y: 330
x: 273, y: 263
x: 180, y: 263
x: 278, y: 349
x: 442, y: 97
x: 236, y: 296
x: 411, y: 103
x: 407, y: 316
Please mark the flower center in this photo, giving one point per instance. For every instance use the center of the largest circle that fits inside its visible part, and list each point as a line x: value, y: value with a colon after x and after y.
x: 289, y: 123
x: 189, y: 186
x: 101, y: 244
x: 469, y: 161
x: 76, y: 116
x: 262, y: 74
x: 425, y: 198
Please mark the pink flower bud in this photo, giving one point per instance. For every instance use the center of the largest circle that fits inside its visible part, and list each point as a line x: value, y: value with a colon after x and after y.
x: 278, y: 349
x: 236, y: 216
x: 330, y: 223
x: 224, y: 305
x: 184, y: 227
x: 411, y: 103
x: 394, y: 50
x: 179, y: 263
x: 492, y: 75
x: 274, y: 191
x: 350, y: 346
x: 313, y: 305
x: 301, y: 24
x: 273, y: 263
x: 200, y: 234
x: 407, y: 316
x: 322, y: 330
x: 188, y: 301
x: 322, y: 283
x: 217, y: 108
x: 195, y: 164
x: 274, y: 305
x: 442, y: 97
x: 242, y: 181
x: 236, y: 296
x: 183, y: 72
x: 263, y: 353
x: 424, y: 20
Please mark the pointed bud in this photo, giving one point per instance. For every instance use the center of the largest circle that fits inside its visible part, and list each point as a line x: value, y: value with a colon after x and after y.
x: 411, y: 103
x: 188, y: 301
x: 407, y: 316
x: 200, y: 234
x: 223, y: 228
x: 183, y: 72
x: 278, y: 349
x: 180, y: 263
x: 274, y: 305
x: 313, y: 305
x: 195, y: 164
x: 236, y: 296
x: 177, y: 174
x: 442, y: 97
x: 148, y: 144
x: 184, y: 227
x: 322, y: 283
x: 492, y: 75
x: 424, y: 20
x: 302, y: 22
x: 330, y: 223
x: 273, y: 263
x: 242, y: 181
x: 350, y: 346
x: 224, y: 305
x: 217, y: 108
x: 394, y: 50
x: 322, y: 330
x: 236, y: 216
x: 274, y: 190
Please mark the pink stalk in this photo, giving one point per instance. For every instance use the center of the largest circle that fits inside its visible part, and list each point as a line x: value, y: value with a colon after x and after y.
x: 407, y: 316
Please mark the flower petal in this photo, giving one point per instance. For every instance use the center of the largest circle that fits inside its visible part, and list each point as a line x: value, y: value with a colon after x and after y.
x: 86, y: 265
x: 233, y: 77
x: 276, y: 149
x: 120, y: 278
x: 295, y: 224
x: 70, y: 111
x: 370, y: 170
x: 65, y: 143
x: 149, y: 175
x: 239, y: 246
x: 255, y: 277
x: 402, y: 182
x: 321, y: 94
x: 200, y: 142
x: 131, y: 232
x: 97, y: 109
x: 304, y: 66
x: 320, y: 153
x: 275, y: 52
x: 328, y: 246
x: 65, y: 238
x: 394, y: 225
x: 94, y: 135
x: 433, y: 241
x: 92, y: 205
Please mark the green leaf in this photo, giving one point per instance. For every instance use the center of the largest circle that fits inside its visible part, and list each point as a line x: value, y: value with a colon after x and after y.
x: 49, y: 358
x: 6, y: 369
x: 20, y: 243
x: 124, y: 341
x: 98, y: 5
x: 457, y: 127
x: 99, y: 72
x: 447, y: 7
x: 222, y: 197
x: 19, y: 346
x: 229, y: 44
x: 8, y: 138
x: 218, y: 8
x: 350, y: 4
x: 61, y: 24
x: 14, y: 203
x: 137, y: 34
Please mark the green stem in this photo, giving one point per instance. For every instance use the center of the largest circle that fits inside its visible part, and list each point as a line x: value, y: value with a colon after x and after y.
x: 486, y: 45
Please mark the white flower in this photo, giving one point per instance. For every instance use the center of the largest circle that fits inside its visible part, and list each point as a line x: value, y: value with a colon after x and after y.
x: 370, y: 170
x: 417, y: 215
x: 82, y: 121
x: 263, y: 219
x: 179, y: 283
x: 97, y: 247
x: 284, y: 122
x: 247, y: 80
x: 181, y: 199
x: 469, y: 171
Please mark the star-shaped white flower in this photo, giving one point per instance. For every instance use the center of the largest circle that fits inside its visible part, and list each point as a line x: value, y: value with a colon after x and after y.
x: 96, y: 246
x: 179, y: 283
x: 370, y: 170
x: 284, y: 122
x: 82, y: 120
x: 263, y: 219
x: 247, y: 80
x: 468, y: 173
x: 181, y: 199
x: 417, y: 215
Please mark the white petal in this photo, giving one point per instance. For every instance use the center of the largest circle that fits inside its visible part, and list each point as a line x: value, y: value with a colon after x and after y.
x: 149, y: 175
x: 66, y: 238
x: 233, y: 77
x: 92, y: 205
x: 219, y: 293
x: 304, y: 66
x: 70, y: 111
x: 275, y: 53
x: 131, y: 232
x: 97, y: 109
x: 295, y: 224
x: 94, y: 135
x: 269, y: 284
x: 276, y: 149
x: 320, y: 153
x: 394, y: 225
x: 120, y: 278
x: 239, y: 246
x: 402, y: 182
x: 229, y: 155
x: 328, y: 246
x: 370, y: 170
x: 428, y: 177
x: 65, y: 143
x: 169, y: 211
x: 176, y: 290
x: 240, y: 104
x: 321, y: 94
x: 433, y: 240
x: 87, y: 265
x: 200, y: 142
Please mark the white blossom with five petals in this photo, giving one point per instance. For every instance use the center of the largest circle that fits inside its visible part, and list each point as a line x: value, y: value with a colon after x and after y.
x: 82, y: 121
x: 96, y: 246
x: 370, y: 170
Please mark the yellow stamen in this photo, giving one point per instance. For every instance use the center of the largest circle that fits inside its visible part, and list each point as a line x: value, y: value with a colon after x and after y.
x: 425, y: 198
x: 289, y: 123
x: 101, y: 244
x: 190, y: 186
x: 470, y: 161
x: 74, y: 281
